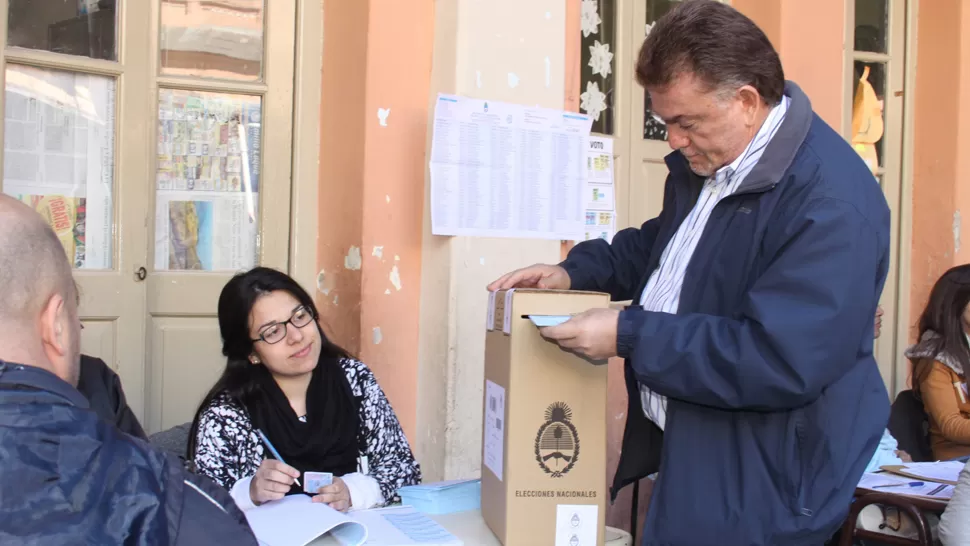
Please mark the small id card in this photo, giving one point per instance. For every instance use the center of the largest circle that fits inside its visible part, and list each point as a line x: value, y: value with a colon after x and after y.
x: 313, y: 481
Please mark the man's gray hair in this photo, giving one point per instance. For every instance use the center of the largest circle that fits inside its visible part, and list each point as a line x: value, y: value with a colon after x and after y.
x: 33, y: 264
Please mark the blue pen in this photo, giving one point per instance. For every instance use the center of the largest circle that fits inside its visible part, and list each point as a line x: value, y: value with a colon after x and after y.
x: 276, y: 454
x: 910, y: 484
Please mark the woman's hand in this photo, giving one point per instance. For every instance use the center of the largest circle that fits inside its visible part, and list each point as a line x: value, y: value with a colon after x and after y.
x: 335, y: 495
x: 272, y: 481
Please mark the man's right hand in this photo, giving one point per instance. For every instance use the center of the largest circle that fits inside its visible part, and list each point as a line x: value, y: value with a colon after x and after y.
x: 547, y: 277
x: 272, y: 481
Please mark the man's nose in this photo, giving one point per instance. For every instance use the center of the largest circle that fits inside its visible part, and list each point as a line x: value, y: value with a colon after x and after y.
x: 677, y: 138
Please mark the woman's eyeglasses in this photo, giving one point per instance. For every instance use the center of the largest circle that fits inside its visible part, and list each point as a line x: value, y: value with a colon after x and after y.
x: 274, y: 333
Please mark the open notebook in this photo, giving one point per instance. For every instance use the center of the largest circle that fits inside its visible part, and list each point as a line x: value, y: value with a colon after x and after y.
x: 297, y: 521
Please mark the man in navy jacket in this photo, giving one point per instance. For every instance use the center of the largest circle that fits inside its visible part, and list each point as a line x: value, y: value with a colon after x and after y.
x: 749, y: 345
x: 66, y: 476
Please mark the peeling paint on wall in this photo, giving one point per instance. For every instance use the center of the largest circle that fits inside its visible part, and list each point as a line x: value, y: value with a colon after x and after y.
x: 513, y: 80
x: 387, y: 292
x: 324, y: 284
x: 378, y: 336
x: 352, y: 260
x: 378, y: 252
x: 395, y: 277
x: 397, y: 258
x: 957, y: 226
x: 336, y: 298
x: 382, y: 114
x: 387, y: 198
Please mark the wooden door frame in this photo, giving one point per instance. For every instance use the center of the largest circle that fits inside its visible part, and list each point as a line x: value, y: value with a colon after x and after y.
x: 898, y: 179
x: 128, y: 253
x: 304, y: 205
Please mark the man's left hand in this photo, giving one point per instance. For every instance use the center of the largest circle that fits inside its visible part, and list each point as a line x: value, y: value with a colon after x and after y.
x: 591, y: 334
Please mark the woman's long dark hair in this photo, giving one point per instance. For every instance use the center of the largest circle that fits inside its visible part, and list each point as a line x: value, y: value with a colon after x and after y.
x: 236, y: 302
x: 944, y: 316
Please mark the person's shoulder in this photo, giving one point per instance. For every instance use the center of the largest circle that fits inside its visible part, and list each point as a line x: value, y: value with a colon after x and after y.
x: 94, y: 370
x: 222, y: 406
x: 827, y: 167
x: 358, y: 374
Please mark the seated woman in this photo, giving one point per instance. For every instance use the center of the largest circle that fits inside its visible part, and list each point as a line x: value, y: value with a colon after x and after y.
x: 940, y: 361
x: 322, y: 410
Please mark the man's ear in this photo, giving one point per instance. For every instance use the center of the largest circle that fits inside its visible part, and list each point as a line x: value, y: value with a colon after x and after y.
x: 54, y: 327
x: 751, y: 102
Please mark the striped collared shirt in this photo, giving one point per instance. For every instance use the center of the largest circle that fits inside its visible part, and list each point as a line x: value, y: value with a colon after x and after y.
x: 662, y: 292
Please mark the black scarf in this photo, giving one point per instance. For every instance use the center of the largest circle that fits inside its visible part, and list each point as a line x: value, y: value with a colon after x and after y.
x: 328, y: 440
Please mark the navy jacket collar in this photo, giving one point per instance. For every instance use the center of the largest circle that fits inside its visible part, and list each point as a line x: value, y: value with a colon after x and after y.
x: 12, y: 374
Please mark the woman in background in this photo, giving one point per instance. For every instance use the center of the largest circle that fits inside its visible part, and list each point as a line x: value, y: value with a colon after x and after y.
x: 940, y: 361
x: 322, y: 410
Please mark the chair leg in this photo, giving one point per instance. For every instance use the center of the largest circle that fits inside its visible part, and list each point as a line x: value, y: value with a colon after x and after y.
x: 633, y: 516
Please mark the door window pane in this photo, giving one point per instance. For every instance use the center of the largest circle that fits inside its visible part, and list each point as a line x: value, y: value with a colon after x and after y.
x: 653, y: 127
x: 868, y: 113
x: 221, y: 39
x: 871, y: 25
x: 59, y: 155
x: 72, y: 27
x: 207, y: 181
x: 598, y: 44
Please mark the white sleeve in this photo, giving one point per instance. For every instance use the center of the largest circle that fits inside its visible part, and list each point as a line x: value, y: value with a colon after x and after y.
x: 955, y: 523
x: 240, y: 494
x: 365, y: 492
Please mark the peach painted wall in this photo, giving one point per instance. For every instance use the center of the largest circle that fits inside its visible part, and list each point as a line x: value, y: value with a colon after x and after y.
x: 377, y: 55
x: 939, y: 110
x: 961, y: 222
x: 341, y: 168
x: 809, y: 37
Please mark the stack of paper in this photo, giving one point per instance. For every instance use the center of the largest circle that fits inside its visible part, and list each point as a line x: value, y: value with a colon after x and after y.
x: 885, y: 482
x: 941, y: 471
x: 403, y: 526
x: 296, y: 521
x: 443, y: 497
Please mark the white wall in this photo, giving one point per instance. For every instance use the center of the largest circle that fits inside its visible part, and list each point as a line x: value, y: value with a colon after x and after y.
x: 478, y: 44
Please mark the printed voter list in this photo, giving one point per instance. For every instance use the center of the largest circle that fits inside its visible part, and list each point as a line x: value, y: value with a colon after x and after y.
x: 506, y: 170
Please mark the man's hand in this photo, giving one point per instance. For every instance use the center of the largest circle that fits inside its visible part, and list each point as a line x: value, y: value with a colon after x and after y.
x: 335, y: 495
x: 591, y: 334
x: 547, y: 277
x: 903, y: 456
x: 877, y: 327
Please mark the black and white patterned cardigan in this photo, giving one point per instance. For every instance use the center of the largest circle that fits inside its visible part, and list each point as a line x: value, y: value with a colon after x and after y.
x: 229, y: 451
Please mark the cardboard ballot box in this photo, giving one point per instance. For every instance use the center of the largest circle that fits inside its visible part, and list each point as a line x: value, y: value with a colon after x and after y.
x: 544, y: 433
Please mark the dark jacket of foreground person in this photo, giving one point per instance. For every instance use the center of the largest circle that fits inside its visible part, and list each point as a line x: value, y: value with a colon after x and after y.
x: 68, y: 477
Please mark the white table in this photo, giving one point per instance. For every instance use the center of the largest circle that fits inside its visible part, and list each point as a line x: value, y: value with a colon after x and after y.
x: 472, y: 530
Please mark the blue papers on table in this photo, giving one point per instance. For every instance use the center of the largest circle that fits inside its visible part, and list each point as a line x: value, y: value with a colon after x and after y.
x: 403, y: 526
x: 297, y: 521
x: 542, y: 321
x: 443, y: 497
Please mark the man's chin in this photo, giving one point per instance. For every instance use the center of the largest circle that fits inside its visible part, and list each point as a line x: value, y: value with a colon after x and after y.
x: 703, y: 171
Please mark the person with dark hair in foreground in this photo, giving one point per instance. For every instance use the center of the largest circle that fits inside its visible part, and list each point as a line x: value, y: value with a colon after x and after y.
x: 66, y: 476
x: 320, y: 409
x: 749, y: 348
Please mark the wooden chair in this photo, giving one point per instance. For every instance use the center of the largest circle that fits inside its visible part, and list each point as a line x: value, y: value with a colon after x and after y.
x: 913, y: 507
